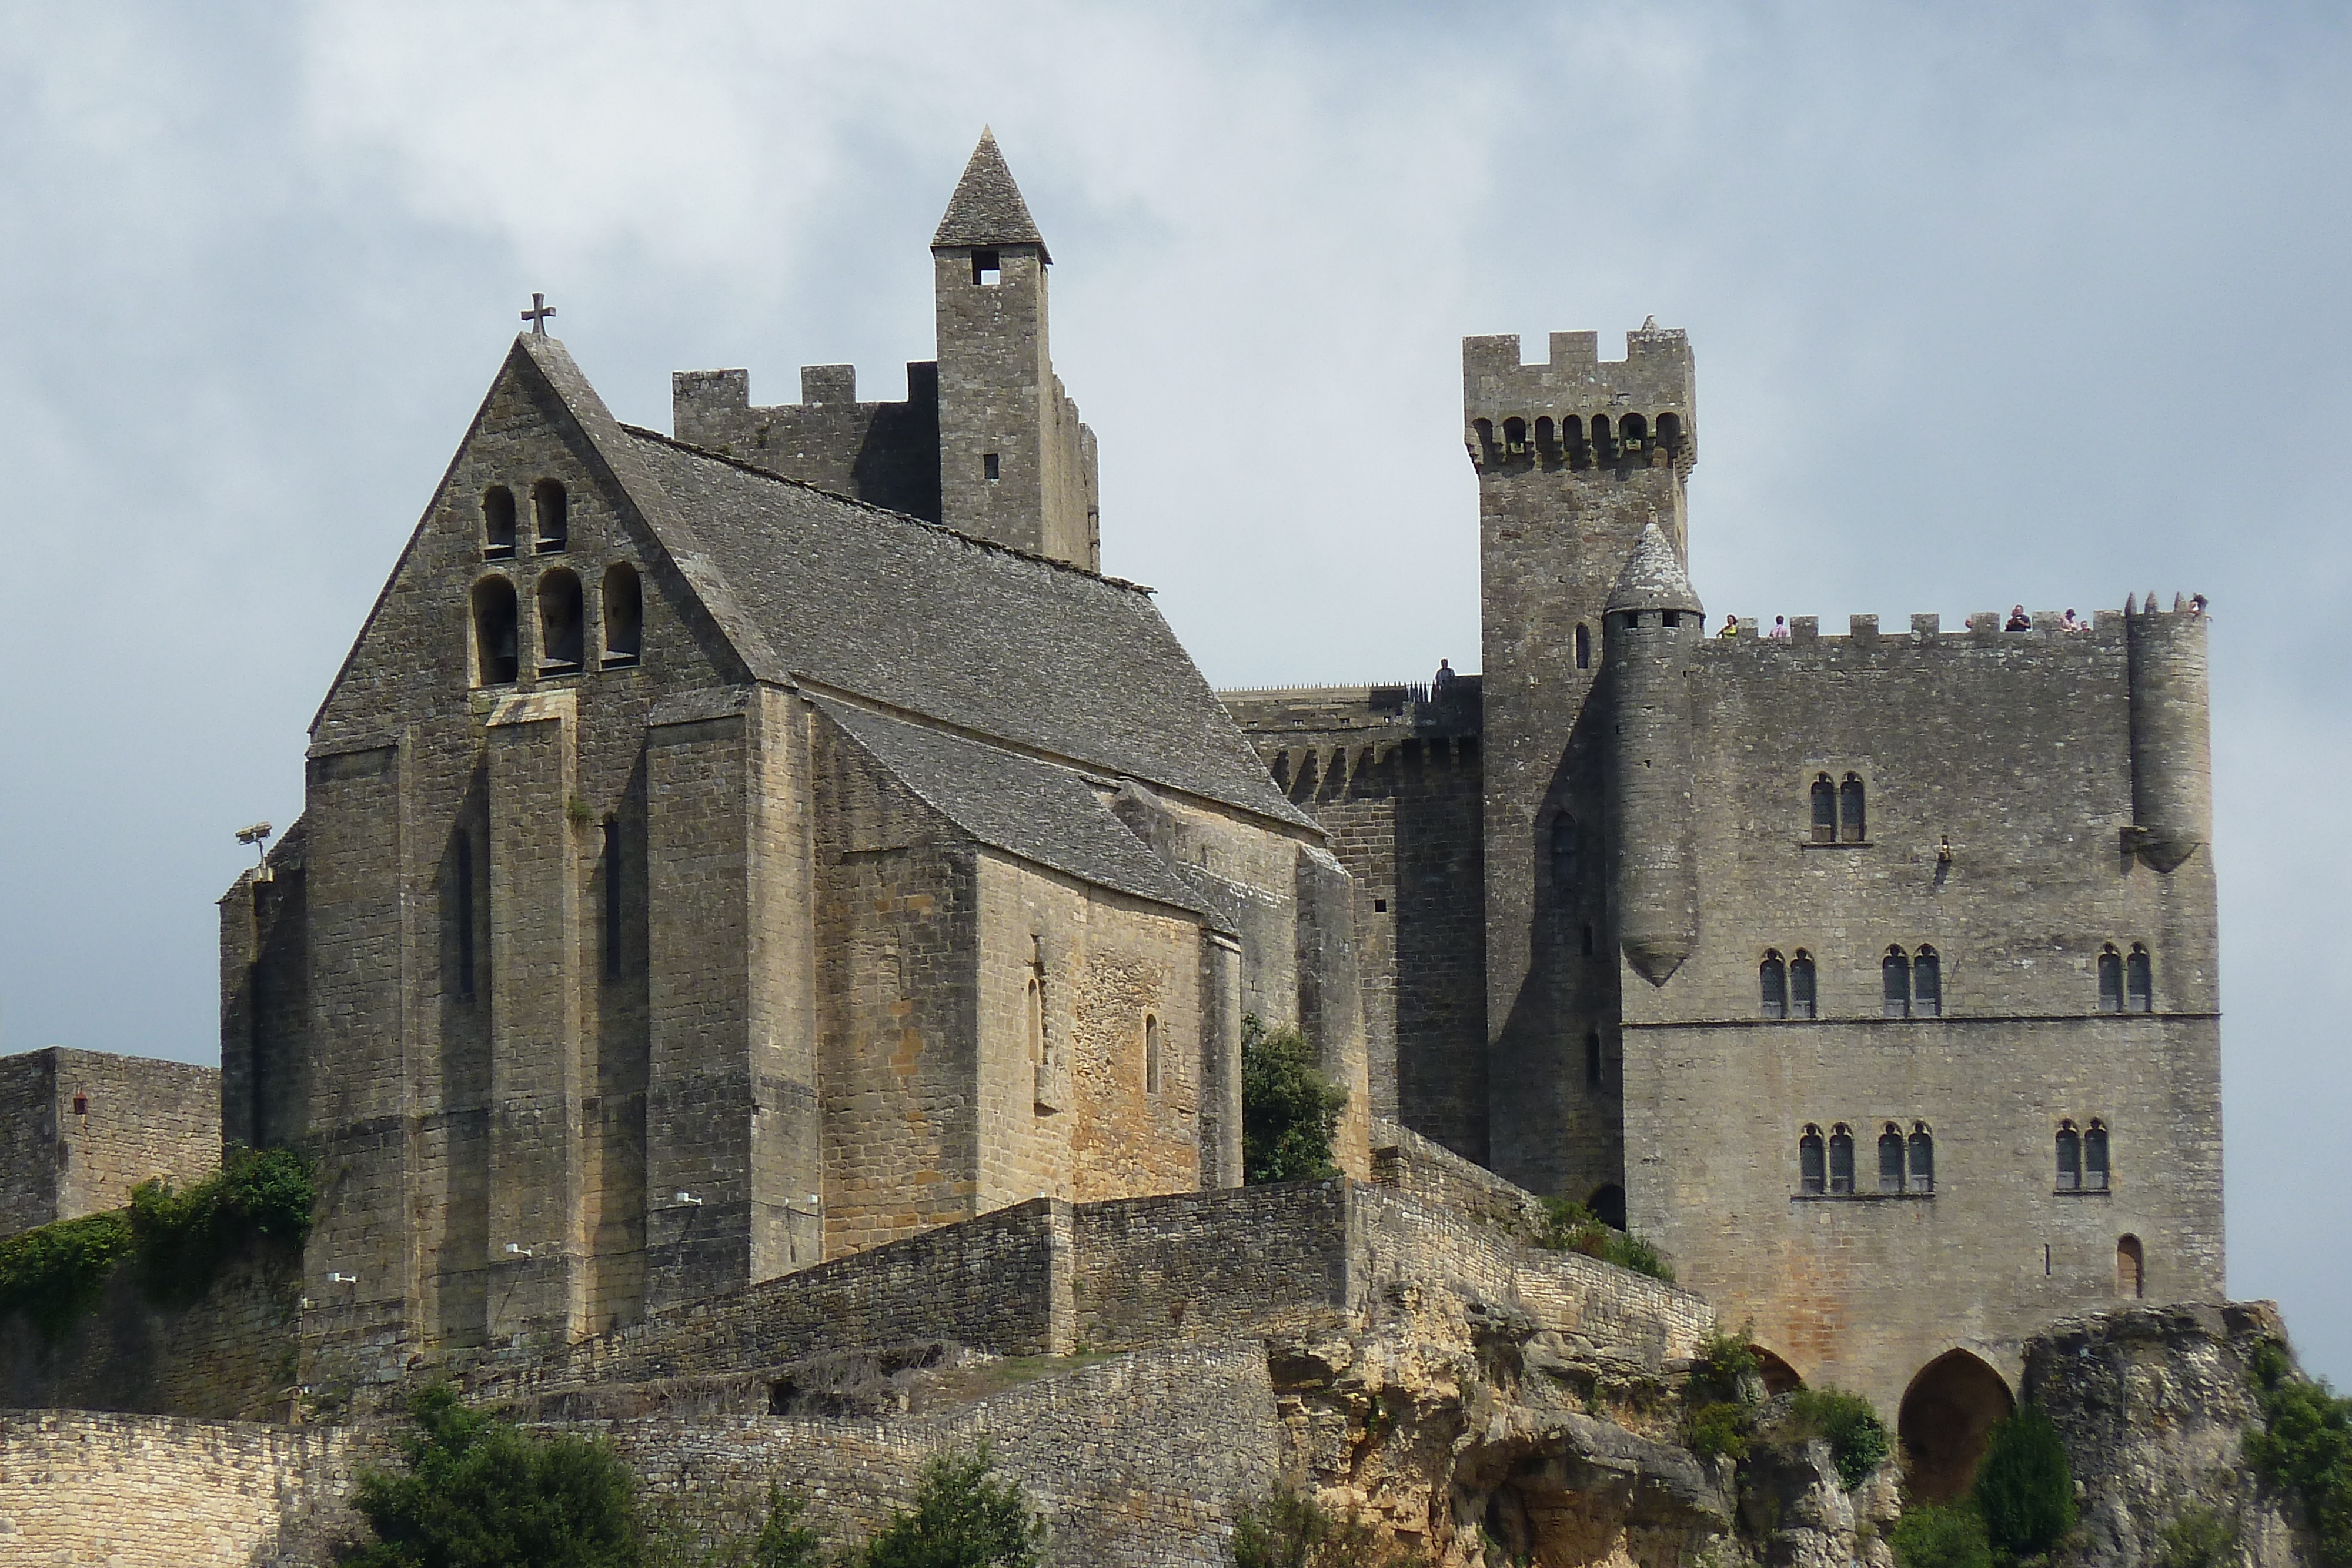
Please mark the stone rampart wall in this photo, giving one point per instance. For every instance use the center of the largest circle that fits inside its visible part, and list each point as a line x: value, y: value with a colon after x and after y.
x: 1432, y: 1173
x: 79, y: 1489
x: 230, y: 1355
x: 1264, y: 1258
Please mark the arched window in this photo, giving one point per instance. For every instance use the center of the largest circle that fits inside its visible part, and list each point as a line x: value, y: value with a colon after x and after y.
x: 1635, y: 430
x: 2111, y: 979
x: 1543, y: 431
x: 1036, y: 1022
x: 1923, y: 1158
x: 498, y: 521
x: 1894, y: 969
x: 551, y: 508
x: 2070, y: 1158
x: 1515, y: 435
x: 1670, y: 434
x: 1150, y: 1054
x: 1567, y: 854
x: 2131, y: 1267
x: 1583, y: 647
x: 1802, y: 995
x: 1601, y: 438
x: 625, y: 614
x: 559, y: 624
x: 495, y: 660
x: 1592, y: 1059
x: 1841, y: 1159
x: 1772, y: 982
x: 1812, y: 1174
x: 2094, y: 1157
x: 1825, y: 810
x: 1485, y: 429
x: 1851, y: 821
x: 2139, y: 982
x: 1890, y: 1159
x: 1927, y: 984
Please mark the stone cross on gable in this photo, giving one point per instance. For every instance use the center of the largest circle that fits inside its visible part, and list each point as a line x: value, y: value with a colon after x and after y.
x: 538, y: 314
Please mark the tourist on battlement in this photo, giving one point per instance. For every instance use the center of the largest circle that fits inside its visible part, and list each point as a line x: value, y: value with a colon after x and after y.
x: 1441, y: 682
x: 2017, y: 619
x: 1781, y: 627
x: 1730, y: 627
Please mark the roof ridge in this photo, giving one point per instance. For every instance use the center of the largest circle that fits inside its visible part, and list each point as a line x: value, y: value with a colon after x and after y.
x: 987, y: 207
x: 732, y: 461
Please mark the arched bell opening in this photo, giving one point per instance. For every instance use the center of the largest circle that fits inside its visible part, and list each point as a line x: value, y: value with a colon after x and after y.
x: 1950, y: 1410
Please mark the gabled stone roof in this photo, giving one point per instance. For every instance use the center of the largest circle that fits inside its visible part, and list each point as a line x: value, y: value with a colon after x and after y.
x: 987, y: 208
x: 1041, y: 812
x: 908, y: 615
x: 1654, y: 578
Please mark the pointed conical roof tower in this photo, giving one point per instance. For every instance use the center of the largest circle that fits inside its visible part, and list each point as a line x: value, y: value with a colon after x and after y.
x: 1016, y: 466
x: 987, y: 209
x: 1654, y: 578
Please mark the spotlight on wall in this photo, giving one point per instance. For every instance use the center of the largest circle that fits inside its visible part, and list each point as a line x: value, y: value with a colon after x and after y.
x: 256, y: 838
x: 517, y: 1249
x: 687, y: 1200
x: 343, y: 1279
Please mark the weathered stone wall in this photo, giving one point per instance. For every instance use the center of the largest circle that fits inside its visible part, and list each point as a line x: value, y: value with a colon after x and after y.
x: 884, y: 452
x: 1159, y: 1271
x: 2012, y: 749
x: 1432, y: 1174
x: 1395, y: 778
x: 231, y: 1353
x: 83, y: 1127
x: 79, y: 1489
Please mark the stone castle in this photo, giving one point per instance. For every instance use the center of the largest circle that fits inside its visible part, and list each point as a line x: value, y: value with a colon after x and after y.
x: 733, y: 856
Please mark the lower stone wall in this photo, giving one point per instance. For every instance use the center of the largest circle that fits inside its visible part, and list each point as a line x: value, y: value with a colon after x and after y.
x: 80, y: 1490
x: 231, y: 1355
x: 1403, y: 1159
x: 1155, y: 1271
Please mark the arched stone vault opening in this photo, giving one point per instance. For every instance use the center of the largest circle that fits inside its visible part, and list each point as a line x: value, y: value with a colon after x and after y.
x: 1947, y: 1412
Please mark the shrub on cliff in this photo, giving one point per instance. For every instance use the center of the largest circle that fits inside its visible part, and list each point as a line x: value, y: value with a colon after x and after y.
x: 2305, y: 1446
x: 1569, y: 1226
x: 2024, y: 1488
x: 1937, y: 1535
x: 477, y: 1493
x: 1857, y: 1437
x: 1289, y: 1110
x: 961, y: 1519
x: 1288, y: 1529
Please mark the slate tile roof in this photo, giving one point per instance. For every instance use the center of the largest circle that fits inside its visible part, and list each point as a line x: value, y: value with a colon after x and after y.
x: 987, y: 208
x: 1041, y: 812
x: 911, y: 615
x: 1654, y: 578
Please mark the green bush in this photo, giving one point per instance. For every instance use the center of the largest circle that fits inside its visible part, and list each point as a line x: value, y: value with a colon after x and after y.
x: 1289, y: 1110
x: 183, y: 1238
x: 1723, y: 1428
x: 2024, y: 1488
x: 1857, y: 1437
x: 57, y: 1273
x: 2200, y: 1537
x: 1935, y: 1535
x: 961, y: 1519
x: 1725, y: 1364
x: 1288, y: 1528
x: 477, y: 1493
x: 1569, y: 1226
x: 2305, y: 1447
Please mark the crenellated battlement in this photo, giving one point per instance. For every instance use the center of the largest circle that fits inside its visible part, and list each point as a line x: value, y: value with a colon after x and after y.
x: 2106, y: 631
x: 1576, y: 410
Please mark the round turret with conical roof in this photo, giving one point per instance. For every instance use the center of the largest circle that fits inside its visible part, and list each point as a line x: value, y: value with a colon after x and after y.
x: 1653, y: 619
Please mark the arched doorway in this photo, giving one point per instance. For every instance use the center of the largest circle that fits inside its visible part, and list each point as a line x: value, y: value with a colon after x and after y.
x: 1608, y: 1206
x: 1948, y: 1410
x: 1779, y: 1377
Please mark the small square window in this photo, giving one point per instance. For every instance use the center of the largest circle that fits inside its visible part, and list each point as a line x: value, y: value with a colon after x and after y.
x: 985, y: 269
x: 991, y: 465
x: 1379, y: 907
x: 81, y: 1104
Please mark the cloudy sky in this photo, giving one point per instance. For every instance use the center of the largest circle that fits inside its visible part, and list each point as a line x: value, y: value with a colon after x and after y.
x: 1991, y: 303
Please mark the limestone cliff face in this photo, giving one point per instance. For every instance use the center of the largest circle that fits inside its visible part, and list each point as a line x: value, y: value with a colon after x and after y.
x: 2154, y: 1403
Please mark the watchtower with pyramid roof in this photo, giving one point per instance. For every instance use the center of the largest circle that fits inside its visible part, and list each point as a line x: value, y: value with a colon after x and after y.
x: 986, y: 442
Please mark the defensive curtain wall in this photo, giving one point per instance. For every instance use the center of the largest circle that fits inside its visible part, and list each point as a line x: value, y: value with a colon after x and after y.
x: 1159, y: 1416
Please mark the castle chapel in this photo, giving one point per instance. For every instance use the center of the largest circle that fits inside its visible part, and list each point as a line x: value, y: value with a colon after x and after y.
x: 726, y: 851
x: 730, y: 849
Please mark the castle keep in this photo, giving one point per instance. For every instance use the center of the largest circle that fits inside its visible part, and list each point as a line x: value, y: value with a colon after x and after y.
x: 1873, y: 975
x: 705, y: 873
